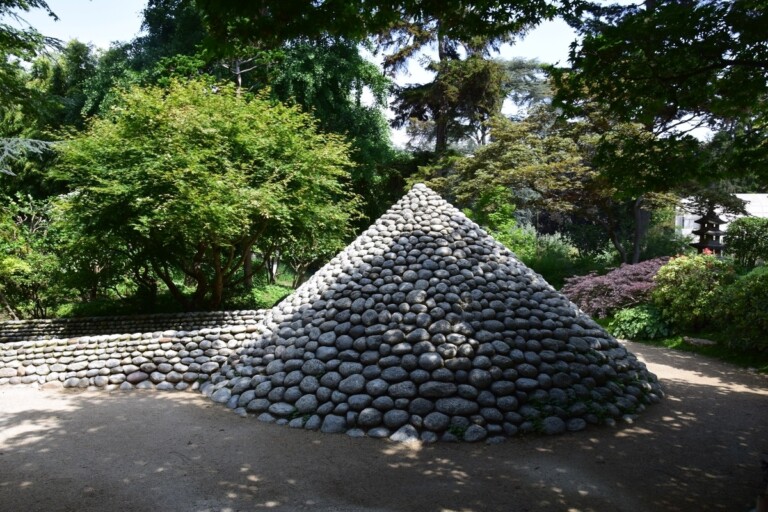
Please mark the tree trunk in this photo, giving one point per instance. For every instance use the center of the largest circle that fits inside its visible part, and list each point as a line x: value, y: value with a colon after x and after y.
x: 217, y: 288
x: 175, y: 292
x: 614, y: 237
x: 8, y: 307
x: 441, y: 112
x: 273, y: 266
x: 299, y: 276
x: 642, y: 222
x: 248, y: 269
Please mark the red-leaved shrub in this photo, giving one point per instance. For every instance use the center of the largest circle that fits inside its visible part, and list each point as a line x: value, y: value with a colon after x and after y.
x: 623, y: 287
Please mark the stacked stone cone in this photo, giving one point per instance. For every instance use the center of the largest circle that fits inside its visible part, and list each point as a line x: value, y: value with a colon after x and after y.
x: 425, y: 327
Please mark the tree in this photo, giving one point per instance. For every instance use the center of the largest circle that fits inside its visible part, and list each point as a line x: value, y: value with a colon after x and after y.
x: 674, y: 61
x: 674, y: 66
x: 329, y: 78
x: 62, y: 78
x: 171, y: 27
x: 542, y: 167
x: 595, y: 169
x: 17, y: 44
x: 466, y: 86
x: 187, y: 179
x: 273, y: 22
x: 467, y: 94
x: 30, y: 284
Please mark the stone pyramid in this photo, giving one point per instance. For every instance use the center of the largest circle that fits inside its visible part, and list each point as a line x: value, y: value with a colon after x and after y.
x: 426, y: 327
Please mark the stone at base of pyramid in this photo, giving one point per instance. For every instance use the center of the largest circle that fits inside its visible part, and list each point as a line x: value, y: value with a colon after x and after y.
x: 425, y: 327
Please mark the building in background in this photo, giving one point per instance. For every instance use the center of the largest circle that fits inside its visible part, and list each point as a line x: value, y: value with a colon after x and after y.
x: 756, y: 205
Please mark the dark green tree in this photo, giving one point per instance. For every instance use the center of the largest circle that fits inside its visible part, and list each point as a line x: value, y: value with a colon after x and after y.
x: 674, y: 66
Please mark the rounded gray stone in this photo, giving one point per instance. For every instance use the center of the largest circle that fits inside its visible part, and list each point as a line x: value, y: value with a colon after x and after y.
x: 430, y: 361
x: 405, y: 434
x: 552, y: 425
x: 333, y: 424
x: 307, y: 404
x: 282, y: 409
x: 405, y: 389
x: 313, y: 367
x: 475, y: 433
x: 457, y: 406
x: 396, y: 418
x: 352, y: 384
x: 359, y: 402
x: 136, y: 377
x: 435, y: 389
x: 437, y: 421
x: 221, y: 395
x: 369, y: 418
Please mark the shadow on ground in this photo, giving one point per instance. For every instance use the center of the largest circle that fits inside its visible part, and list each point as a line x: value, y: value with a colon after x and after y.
x: 698, y: 450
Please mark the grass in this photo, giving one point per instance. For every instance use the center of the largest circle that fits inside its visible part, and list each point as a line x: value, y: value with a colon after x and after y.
x: 721, y: 351
x: 755, y: 360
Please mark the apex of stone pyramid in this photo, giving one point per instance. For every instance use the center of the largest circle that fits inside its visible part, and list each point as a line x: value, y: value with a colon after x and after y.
x: 426, y: 326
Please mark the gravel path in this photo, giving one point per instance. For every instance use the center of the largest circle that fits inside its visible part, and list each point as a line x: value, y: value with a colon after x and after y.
x: 698, y: 450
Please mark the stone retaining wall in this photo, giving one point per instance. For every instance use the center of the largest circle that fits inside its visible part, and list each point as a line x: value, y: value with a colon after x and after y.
x: 25, y: 330
x: 140, y: 357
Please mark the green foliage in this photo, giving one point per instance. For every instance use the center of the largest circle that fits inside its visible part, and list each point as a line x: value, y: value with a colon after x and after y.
x: 63, y: 80
x: 688, y: 288
x: 17, y: 42
x: 261, y: 296
x: 743, y: 310
x: 708, y: 58
x: 328, y: 79
x: 274, y: 23
x: 676, y: 61
x: 170, y: 28
x: 551, y: 255
x: 747, y: 240
x: 663, y: 239
x: 544, y: 170
x: 456, y: 106
x: 30, y: 270
x: 639, y: 323
x: 556, y: 259
x: 190, y: 178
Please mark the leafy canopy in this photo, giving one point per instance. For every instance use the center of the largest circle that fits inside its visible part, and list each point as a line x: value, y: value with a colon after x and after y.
x: 191, y: 177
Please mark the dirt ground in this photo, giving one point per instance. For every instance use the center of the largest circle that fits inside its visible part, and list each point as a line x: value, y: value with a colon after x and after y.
x: 698, y: 450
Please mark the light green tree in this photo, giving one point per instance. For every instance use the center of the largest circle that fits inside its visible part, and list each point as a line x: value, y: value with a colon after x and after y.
x: 187, y: 180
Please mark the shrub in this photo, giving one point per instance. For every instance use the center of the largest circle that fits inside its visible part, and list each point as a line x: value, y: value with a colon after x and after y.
x: 555, y: 258
x: 621, y: 288
x: 743, y: 309
x: 639, y: 323
x: 687, y: 289
x: 747, y: 240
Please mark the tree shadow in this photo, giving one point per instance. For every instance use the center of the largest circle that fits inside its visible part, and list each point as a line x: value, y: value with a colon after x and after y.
x: 697, y: 450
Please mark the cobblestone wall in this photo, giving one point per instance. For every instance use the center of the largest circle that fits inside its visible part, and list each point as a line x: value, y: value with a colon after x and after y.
x: 154, y: 351
x: 26, y: 330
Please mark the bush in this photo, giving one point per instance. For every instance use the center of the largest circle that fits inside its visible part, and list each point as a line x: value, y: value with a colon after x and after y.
x: 639, y: 323
x: 687, y: 289
x: 621, y: 288
x: 555, y: 258
x: 747, y: 240
x: 743, y: 309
